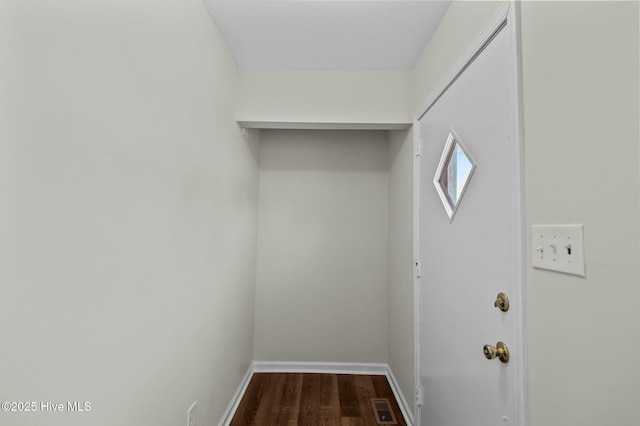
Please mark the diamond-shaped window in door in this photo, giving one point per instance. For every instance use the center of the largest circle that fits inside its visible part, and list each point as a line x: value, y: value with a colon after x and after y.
x: 453, y: 174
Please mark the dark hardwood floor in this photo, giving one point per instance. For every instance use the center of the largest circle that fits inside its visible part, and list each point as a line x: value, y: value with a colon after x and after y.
x: 309, y: 399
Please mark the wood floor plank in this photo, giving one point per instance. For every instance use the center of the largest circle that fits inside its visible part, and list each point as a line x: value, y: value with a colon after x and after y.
x: 270, y: 401
x: 319, y: 403
x: 364, y: 392
x: 289, y: 409
x: 348, y: 401
x: 330, y: 401
x: 309, y: 399
x: 246, y: 412
x: 353, y: 421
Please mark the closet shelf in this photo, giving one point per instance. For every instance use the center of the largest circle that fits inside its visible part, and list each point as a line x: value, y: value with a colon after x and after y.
x: 306, y: 125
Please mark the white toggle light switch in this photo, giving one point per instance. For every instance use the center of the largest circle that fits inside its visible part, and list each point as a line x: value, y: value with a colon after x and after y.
x: 559, y: 248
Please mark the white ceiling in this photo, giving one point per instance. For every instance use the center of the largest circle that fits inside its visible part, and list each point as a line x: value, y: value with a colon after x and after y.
x: 326, y: 34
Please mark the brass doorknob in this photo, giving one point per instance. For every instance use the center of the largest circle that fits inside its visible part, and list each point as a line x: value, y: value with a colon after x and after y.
x: 502, y: 302
x: 500, y: 351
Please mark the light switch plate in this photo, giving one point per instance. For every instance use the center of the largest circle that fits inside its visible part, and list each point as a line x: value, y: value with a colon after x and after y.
x: 558, y: 248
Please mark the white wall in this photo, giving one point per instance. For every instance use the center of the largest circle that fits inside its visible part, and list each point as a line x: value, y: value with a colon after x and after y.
x: 580, y: 72
x: 319, y: 97
x: 321, y: 288
x: 458, y: 29
x: 127, y: 213
x: 401, y: 269
x: 580, y: 75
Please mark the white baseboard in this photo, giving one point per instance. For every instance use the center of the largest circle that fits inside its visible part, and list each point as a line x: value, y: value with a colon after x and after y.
x: 237, y: 397
x: 402, y: 402
x: 318, y: 367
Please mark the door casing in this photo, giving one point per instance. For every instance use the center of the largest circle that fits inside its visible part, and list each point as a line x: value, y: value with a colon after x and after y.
x: 509, y: 14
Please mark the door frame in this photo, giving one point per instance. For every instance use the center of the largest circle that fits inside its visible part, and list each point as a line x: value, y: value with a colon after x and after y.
x: 509, y: 14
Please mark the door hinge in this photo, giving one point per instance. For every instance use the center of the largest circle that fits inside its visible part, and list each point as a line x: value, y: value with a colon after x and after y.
x: 418, y: 144
x: 418, y: 268
x: 419, y: 396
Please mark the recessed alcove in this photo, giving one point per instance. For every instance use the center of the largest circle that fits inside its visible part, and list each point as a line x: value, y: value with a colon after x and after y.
x: 322, y: 259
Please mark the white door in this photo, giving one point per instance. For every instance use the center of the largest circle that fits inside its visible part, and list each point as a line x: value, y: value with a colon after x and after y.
x: 467, y: 260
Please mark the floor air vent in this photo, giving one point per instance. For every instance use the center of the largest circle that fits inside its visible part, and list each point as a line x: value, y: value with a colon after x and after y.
x: 383, y: 412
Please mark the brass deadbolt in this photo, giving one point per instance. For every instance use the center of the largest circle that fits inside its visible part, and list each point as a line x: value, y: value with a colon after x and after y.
x: 502, y: 302
x: 500, y: 351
